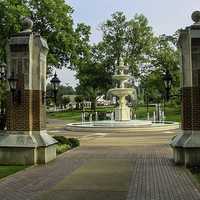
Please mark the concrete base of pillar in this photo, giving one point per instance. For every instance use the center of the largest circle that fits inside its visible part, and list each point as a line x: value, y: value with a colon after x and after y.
x: 179, y: 156
x: 186, y: 149
x: 192, y: 157
x: 21, y: 149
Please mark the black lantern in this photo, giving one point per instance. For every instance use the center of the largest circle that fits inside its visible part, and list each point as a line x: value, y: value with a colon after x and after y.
x: 12, y: 82
x: 16, y: 95
x: 167, y: 78
x: 2, y: 71
x: 55, y: 84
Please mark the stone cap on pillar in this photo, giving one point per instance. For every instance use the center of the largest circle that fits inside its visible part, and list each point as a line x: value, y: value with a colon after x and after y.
x: 196, y: 17
x: 27, y: 30
x: 187, y: 31
x: 27, y: 25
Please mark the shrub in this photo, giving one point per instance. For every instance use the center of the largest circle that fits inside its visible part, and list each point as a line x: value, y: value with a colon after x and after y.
x: 61, y: 148
x: 74, y: 142
x: 61, y: 139
x: 65, y: 144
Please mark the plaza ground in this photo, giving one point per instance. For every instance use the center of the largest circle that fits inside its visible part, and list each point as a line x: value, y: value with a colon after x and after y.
x: 114, y: 166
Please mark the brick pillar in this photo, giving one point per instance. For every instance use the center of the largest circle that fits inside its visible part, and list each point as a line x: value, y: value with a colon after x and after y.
x: 186, y: 113
x: 186, y: 146
x: 27, y: 141
x: 195, y: 42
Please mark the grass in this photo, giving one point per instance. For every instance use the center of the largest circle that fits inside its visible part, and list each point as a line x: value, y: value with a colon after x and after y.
x: 172, y: 113
x: 75, y: 115
x: 8, y: 170
x: 195, y: 171
x: 70, y: 116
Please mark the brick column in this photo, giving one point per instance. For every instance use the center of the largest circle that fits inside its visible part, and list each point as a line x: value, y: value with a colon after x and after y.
x: 186, y: 146
x: 26, y: 140
x: 186, y: 113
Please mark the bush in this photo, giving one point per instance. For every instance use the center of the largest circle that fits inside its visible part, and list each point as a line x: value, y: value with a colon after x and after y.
x: 74, y: 142
x: 65, y: 144
x: 61, y: 139
x: 61, y: 148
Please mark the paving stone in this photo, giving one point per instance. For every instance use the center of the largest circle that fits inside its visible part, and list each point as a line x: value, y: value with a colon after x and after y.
x: 133, y: 166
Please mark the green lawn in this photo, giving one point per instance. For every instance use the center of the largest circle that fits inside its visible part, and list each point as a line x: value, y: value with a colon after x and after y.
x: 70, y: 116
x: 8, y: 170
x: 172, y: 113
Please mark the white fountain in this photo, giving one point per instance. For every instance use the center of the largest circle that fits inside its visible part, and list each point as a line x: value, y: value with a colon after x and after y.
x: 122, y: 121
x: 122, y: 112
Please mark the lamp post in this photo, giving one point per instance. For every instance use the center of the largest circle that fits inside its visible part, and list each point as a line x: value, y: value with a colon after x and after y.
x: 2, y: 108
x: 167, y: 78
x: 12, y: 80
x: 55, y: 84
x: 146, y: 98
x: 2, y: 78
x: 2, y: 71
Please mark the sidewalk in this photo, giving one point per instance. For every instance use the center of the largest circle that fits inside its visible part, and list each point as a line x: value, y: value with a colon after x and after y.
x: 120, y: 166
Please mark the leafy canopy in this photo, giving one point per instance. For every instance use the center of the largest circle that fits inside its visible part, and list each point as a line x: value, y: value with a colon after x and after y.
x: 53, y: 20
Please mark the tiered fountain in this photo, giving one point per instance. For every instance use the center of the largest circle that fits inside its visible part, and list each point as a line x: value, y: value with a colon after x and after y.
x: 122, y: 112
x: 122, y: 121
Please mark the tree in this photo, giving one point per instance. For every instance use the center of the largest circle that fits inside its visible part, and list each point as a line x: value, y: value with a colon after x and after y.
x: 131, y: 39
x: 65, y: 101
x: 165, y: 57
x: 10, y: 14
x: 114, y: 36
x: 94, y: 76
x: 62, y: 90
x: 78, y: 99
x: 52, y: 19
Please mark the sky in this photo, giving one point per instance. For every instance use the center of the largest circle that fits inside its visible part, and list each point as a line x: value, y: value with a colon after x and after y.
x: 165, y: 17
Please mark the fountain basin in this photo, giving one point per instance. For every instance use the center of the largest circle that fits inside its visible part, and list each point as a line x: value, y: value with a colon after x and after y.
x: 120, y: 126
x: 122, y: 77
x: 121, y: 92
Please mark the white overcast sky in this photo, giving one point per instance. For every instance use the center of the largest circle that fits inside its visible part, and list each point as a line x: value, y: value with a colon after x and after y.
x: 165, y: 16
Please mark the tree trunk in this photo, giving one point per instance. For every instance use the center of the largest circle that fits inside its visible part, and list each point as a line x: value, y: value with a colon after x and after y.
x: 77, y: 106
x: 93, y: 104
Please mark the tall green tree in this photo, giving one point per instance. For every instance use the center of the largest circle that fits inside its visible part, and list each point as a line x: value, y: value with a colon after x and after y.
x: 53, y: 20
x: 94, y: 78
x: 165, y: 57
x: 10, y: 16
x: 131, y: 39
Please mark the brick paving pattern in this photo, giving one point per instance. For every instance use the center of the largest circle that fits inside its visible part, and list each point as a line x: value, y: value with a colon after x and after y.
x: 153, y: 174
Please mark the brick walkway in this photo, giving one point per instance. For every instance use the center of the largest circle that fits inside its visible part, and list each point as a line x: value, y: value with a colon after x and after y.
x: 120, y: 166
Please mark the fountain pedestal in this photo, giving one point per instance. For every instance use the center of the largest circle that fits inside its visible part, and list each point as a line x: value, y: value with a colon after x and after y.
x: 122, y: 114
